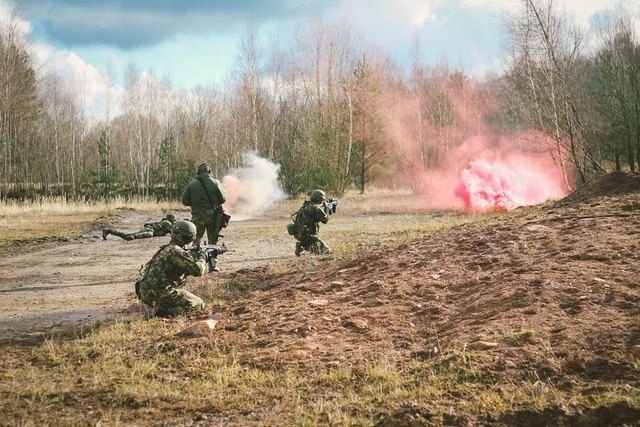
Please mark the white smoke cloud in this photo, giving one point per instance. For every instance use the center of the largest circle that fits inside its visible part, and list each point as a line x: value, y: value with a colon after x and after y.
x: 252, y: 188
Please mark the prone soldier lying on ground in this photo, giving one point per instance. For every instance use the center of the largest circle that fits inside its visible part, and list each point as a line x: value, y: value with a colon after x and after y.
x: 150, y: 229
x: 166, y: 272
x: 306, y: 223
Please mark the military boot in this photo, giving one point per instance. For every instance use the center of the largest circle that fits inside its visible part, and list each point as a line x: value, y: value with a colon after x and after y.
x: 298, y: 248
x: 213, y: 266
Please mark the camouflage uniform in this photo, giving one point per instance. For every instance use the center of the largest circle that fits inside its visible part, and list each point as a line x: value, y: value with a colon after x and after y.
x: 307, y: 221
x: 164, y: 274
x: 206, y: 221
x: 205, y: 195
x: 150, y: 229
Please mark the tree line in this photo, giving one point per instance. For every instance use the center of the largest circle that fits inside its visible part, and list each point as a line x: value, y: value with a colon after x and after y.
x: 323, y: 106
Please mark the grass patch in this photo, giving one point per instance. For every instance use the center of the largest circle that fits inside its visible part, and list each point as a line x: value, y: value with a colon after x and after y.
x: 140, y: 371
x: 57, y: 218
x: 60, y: 206
x: 519, y: 338
x: 32, y: 227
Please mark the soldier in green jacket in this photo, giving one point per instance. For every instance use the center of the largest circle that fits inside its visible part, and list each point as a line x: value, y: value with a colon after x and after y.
x: 307, y: 225
x: 150, y: 229
x: 205, y: 195
x: 166, y: 272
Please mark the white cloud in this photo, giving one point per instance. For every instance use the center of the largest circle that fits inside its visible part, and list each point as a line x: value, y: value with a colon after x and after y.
x: 86, y: 82
x: 582, y: 10
x: 509, y: 5
x: 406, y: 14
x: 9, y: 19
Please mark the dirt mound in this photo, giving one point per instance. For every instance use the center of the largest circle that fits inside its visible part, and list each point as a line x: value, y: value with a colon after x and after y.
x: 551, y: 294
x: 611, y: 185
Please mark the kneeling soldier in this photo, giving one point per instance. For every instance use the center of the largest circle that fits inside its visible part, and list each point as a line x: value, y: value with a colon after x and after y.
x: 165, y: 274
x: 150, y: 229
x: 307, y: 224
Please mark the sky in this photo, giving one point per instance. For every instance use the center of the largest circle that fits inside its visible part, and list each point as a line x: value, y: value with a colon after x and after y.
x: 195, y: 42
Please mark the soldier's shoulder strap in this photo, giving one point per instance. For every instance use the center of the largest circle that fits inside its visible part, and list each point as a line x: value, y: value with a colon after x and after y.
x: 206, y: 192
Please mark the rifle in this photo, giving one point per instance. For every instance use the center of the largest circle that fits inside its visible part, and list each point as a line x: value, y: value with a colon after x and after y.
x: 210, y: 254
x: 330, y: 206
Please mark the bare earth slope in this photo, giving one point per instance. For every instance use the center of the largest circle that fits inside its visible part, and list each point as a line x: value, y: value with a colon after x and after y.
x: 568, y: 271
x: 55, y: 283
x: 526, y: 318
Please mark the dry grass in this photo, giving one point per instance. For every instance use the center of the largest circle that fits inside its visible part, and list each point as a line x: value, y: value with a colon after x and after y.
x: 30, y: 227
x: 519, y: 338
x: 141, y: 371
x: 55, y: 217
x: 59, y: 206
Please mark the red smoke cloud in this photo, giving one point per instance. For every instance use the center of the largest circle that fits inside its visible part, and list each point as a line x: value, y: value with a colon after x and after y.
x: 454, y: 160
x: 502, y: 185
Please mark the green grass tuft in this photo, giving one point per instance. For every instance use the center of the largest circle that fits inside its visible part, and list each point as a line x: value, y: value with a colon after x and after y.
x: 519, y: 338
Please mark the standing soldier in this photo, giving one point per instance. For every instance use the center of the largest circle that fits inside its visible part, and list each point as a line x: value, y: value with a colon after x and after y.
x: 307, y: 224
x: 150, y: 229
x: 205, y: 195
x: 165, y: 274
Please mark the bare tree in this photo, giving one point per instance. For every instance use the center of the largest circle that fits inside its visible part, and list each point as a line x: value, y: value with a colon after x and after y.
x: 545, y: 48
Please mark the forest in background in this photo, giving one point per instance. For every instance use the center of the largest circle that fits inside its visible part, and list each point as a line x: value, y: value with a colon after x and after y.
x: 324, y: 107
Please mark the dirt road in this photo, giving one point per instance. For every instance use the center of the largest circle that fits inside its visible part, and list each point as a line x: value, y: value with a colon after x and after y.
x: 85, y: 279
x: 88, y: 279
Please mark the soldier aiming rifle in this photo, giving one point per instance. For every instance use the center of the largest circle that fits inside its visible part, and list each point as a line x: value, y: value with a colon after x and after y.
x: 162, y: 278
x: 306, y: 223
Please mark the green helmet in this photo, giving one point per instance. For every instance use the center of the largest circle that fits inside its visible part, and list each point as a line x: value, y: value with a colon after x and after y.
x: 184, y: 231
x: 166, y: 225
x: 170, y: 217
x: 317, y: 196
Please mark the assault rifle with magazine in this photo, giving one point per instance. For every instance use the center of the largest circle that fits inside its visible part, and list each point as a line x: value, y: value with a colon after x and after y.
x: 210, y: 254
x: 330, y: 206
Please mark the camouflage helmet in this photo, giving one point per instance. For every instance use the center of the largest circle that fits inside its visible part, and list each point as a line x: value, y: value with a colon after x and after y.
x: 166, y: 225
x: 170, y: 217
x: 317, y: 196
x: 184, y: 229
x: 204, y: 168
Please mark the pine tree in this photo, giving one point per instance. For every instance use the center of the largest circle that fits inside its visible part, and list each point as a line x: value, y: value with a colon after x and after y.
x: 106, y: 178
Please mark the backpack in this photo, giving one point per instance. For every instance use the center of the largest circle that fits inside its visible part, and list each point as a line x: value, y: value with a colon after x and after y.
x: 299, y: 220
x: 143, y: 271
